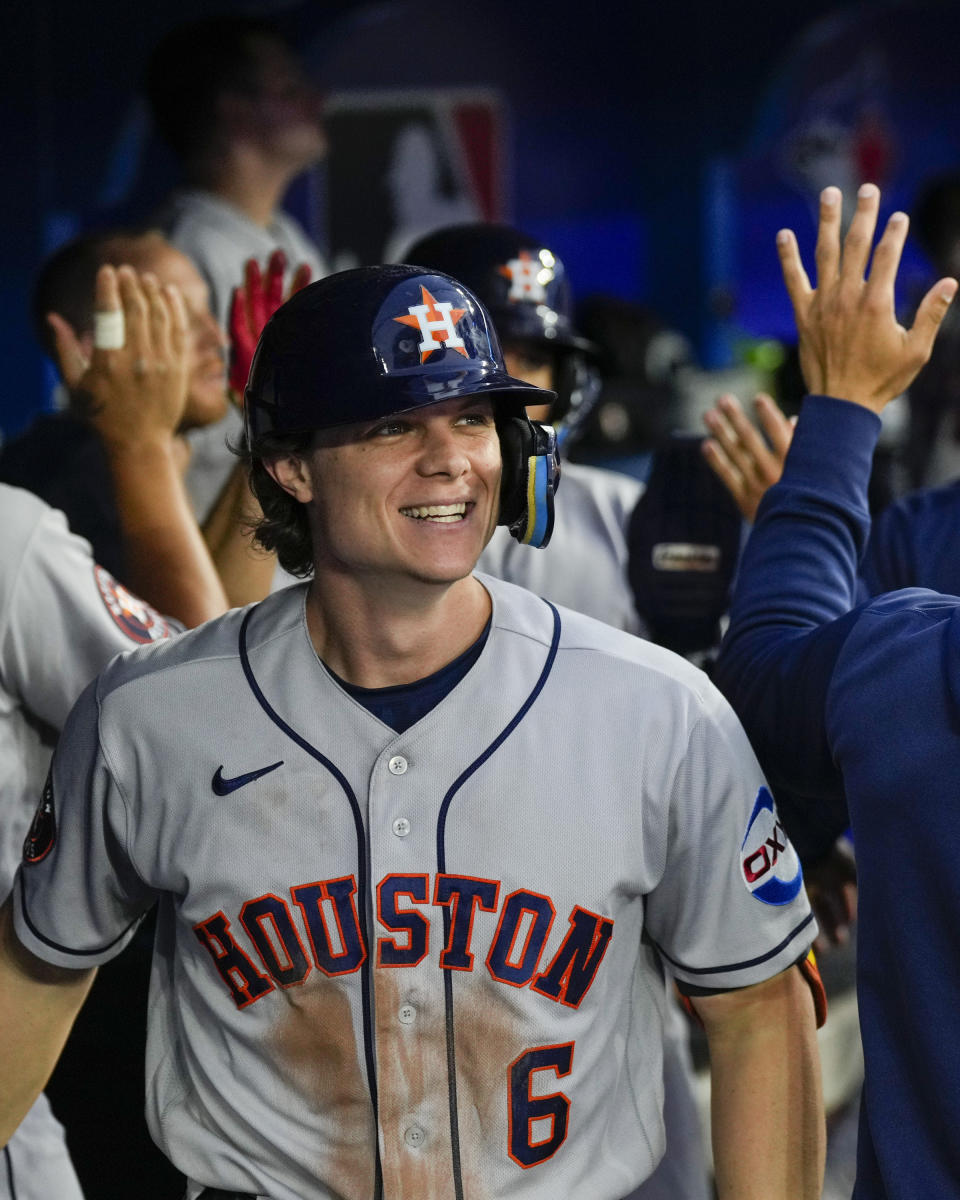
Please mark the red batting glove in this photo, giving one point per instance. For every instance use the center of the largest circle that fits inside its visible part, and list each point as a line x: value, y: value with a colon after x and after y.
x: 250, y: 309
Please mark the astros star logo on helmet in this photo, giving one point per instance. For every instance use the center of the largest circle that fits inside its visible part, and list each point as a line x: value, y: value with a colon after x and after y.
x: 527, y: 278
x: 435, y: 317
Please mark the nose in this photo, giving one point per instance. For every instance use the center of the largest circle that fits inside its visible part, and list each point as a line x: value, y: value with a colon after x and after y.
x: 208, y: 334
x: 442, y: 452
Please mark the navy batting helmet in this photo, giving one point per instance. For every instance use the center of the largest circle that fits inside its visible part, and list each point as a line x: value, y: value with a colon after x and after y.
x: 524, y: 287
x: 363, y: 344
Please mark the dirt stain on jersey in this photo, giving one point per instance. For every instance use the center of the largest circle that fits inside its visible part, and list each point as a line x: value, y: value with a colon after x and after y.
x: 316, y: 1039
x: 414, y: 1093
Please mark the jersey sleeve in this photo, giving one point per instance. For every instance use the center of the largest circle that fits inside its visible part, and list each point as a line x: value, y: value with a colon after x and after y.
x: 63, y: 617
x: 795, y: 600
x: 77, y: 895
x: 730, y: 908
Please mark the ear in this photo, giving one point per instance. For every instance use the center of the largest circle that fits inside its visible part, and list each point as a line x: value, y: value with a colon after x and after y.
x: 290, y: 472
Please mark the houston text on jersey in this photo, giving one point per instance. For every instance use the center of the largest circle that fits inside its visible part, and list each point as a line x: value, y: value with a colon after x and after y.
x: 330, y: 926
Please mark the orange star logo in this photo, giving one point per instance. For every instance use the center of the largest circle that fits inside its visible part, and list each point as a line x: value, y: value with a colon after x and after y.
x: 434, y: 317
x: 526, y: 278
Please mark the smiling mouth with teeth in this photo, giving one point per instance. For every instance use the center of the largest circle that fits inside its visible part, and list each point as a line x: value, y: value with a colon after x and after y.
x: 443, y: 514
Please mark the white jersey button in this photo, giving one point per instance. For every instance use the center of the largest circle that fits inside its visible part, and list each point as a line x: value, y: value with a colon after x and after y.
x: 397, y: 765
x: 407, y: 1014
x: 401, y: 827
x: 414, y: 1137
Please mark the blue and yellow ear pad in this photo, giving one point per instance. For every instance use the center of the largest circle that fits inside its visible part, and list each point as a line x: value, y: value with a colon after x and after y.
x: 531, y: 475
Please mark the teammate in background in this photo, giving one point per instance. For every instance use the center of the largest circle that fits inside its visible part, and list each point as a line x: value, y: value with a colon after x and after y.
x: 230, y: 98
x: 62, y: 457
x: 413, y: 938
x: 932, y: 451
x: 524, y: 287
x: 912, y: 543
x: 63, y: 617
x: 857, y: 701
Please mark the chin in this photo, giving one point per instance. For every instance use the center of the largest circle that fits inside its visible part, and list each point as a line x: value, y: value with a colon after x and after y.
x: 205, y: 409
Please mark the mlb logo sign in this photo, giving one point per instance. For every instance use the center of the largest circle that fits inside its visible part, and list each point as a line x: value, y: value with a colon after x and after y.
x: 768, y: 862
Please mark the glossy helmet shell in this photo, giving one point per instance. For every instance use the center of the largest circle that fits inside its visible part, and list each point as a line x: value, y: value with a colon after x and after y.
x: 363, y: 344
x: 525, y: 289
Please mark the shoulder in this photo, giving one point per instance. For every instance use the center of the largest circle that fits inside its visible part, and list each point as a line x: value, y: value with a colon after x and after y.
x: 212, y: 651
x: 202, y: 226
x: 599, y: 647
x: 22, y: 513
x: 296, y: 243
x: 33, y: 529
x: 921, y: 508
x: 610, y: 488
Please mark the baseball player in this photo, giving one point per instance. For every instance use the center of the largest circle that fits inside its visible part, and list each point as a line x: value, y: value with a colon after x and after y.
x: 423, y: 844
x: 524, y: 286
x: 912, y: 542
x: 62, y: 618
x: 858, y: 701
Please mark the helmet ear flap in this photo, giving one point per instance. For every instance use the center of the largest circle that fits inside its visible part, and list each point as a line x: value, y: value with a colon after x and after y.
x: 531, y: 475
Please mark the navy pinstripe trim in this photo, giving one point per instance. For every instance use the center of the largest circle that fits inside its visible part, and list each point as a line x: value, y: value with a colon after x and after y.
x: 56, y: 945
x: 8, y: 1159
x: 739, y: 966
x: 442, y: 866
x: 362, y: 881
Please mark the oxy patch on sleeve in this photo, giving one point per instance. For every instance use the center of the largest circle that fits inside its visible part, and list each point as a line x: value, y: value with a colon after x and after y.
x: 130, y: 614
x: 43, y: 828
x: 768, y: 862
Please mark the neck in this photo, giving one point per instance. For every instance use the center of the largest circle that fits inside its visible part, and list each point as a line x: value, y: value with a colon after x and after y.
x: 246, y: 179
x: 377, y: 637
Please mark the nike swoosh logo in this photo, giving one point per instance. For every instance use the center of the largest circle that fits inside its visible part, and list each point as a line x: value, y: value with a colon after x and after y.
x: 223, y: 787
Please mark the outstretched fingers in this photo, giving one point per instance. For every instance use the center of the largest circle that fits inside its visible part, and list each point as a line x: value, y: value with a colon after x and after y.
x: 301, y: 277
x: 158, y: 317
x: 932, y: 310
x: 827, y: 253
x: 859, y: 240
x: 795, y: 278
x: 179, y: 319
x: 136, y: 315
x: 71, y: 359
x: 276, y: 267
x: 777, y: 427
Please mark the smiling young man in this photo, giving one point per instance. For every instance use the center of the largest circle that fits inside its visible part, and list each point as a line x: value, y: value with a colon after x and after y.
x: 423, y: 844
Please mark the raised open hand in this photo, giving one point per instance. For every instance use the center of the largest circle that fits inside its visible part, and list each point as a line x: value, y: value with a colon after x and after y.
x: 850, y: 343
x: 135, y: 380
x: 745, y: 460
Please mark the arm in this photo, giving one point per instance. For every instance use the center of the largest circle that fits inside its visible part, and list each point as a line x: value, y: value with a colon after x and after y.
x: 38, y: 1004
x: 766, y: 1104
x: 135, y: 397
x: 245, y: 570
x: 792, y: 607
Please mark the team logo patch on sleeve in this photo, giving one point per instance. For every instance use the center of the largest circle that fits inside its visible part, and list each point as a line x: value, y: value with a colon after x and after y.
x: 43, y: 828
x: 768, y: 862
x: 138, y: 620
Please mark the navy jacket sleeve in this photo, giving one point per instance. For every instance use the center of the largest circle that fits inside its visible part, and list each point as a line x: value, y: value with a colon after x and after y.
x: 794, y: 606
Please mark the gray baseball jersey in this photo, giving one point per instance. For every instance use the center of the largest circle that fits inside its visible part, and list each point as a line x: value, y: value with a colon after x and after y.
x: 436, y: 954
x: 584, y: 567
x: 62, y: 618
